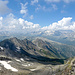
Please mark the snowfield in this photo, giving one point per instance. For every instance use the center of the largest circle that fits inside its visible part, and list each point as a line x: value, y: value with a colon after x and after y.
x: 8, y: 66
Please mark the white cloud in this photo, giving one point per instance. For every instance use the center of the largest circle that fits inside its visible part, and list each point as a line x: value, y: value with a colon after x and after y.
x: 39, y: 7
x: 55, y: 1
x: 10, y: 23
x: 3, y: 7
x: 44, y: 8
x: 1, y: 18
x: 72, y: 27
x: 30, y: 25
x: 24, y: 9
x: 34, y: 1
x: 31, y: 17
x: 68, y: 1
x: 12, y: 26
x: 64, y: 24
x: 21, y: 21
x: 54, y: 7
x: 52, y: 1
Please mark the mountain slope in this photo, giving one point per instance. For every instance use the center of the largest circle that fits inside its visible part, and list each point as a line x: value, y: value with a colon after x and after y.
x: 47, y: 48
x: 23, y: 57
x: 19, y: 48
x: 67, y: 50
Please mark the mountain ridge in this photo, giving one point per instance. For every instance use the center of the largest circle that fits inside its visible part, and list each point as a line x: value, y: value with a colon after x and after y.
x: 27, y: 47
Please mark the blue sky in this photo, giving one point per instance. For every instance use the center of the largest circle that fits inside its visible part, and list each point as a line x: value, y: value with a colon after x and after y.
x: 42, y: 13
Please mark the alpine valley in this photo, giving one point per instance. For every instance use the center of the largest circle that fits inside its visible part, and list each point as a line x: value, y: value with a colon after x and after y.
x: 36, y: 56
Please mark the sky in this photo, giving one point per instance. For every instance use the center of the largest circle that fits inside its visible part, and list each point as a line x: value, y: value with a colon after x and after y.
x: 37, y: 15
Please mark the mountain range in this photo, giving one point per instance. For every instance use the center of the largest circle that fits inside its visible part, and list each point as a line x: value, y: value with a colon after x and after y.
x: 16, y: 47
x: 62, y: 36
x: 36, y: 56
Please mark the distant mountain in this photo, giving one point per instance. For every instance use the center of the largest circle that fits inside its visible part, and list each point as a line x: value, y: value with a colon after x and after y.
x: 67, y: 50
x: 62, y: 36
x: 47, y: 48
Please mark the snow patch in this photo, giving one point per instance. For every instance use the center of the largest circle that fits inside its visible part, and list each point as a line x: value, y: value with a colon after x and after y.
x: 18, y: 49
x: 24, y: 65
x: 29, y: 64
x: 32, y: 69
x: 8, y: 61
x: 8, y: 66
x: 1, y: 48
x: 21, y: 59
x: 17, y: 60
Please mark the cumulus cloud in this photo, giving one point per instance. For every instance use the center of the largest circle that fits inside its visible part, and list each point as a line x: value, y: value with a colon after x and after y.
x: 33, y: 2
x: 3, y: 7
x: 10, y: 23
x: 1, y: 18
x: 24, y: 9
x: 30, y: 25
x: 64, y: 24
